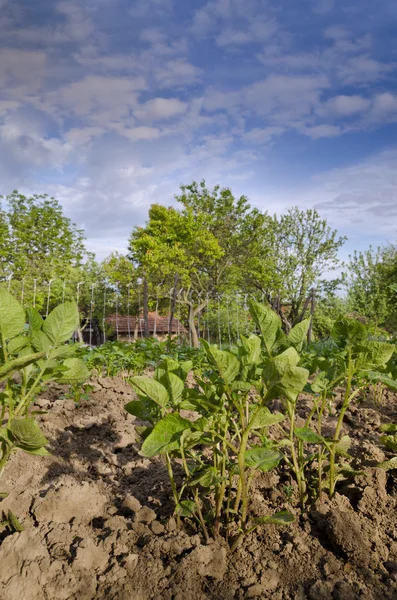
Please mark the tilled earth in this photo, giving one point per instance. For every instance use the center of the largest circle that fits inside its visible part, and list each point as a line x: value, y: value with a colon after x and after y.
x: 98, y: 520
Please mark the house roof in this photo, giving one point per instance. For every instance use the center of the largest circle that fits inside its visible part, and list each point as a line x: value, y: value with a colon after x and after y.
x: 156, y: 322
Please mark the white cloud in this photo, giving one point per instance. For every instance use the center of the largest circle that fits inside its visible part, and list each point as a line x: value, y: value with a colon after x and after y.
x: 345, y: 106
x: 97, y: 98
x: 21, y: 71
x: 159, y: 109
x: 321, y: 131
x: 384, y: 104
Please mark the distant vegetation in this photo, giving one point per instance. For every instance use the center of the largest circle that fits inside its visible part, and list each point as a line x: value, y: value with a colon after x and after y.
x: 201, y: 261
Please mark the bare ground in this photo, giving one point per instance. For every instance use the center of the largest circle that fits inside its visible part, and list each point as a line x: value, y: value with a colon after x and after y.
x: 98, y: 522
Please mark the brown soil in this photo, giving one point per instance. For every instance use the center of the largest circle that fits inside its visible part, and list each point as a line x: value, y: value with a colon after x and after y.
x: 98, y: 521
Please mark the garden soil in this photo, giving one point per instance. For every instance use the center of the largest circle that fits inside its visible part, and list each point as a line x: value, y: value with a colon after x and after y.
x: 98, y: 521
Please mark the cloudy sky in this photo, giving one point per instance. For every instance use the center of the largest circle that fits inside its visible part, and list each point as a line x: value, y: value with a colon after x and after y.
x: 109, y: 105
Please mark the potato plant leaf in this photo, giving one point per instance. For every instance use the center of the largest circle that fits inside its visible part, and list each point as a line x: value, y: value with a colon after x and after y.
x: 75, y: 371
x: 61, y: 323
x: 35, y: 320
x: 264, y: 418
x: 27, y: 433
x: 388, y: 465
x: 308, y: 435
x: 280, y: 518
x: 17, y: 343
x: 186, y: 508
x: 12, y: 315
x: 262, y: 458
x: 165, y: 436
x: 226, y: 363
x: 151, y: 388
x: 267, y: 321
x: 297, y: 335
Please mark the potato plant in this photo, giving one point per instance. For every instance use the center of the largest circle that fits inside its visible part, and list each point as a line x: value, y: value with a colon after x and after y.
x: 33, y: 353
x: 232, y: 434
x: 355, y: 362
x: 227, y: 442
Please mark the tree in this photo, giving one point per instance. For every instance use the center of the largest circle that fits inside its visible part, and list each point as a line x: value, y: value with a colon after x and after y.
x: 40, y: 240
x: 371, y: 284
x: 238, y: 228
x: 306, y: 249
x: 176, y: 243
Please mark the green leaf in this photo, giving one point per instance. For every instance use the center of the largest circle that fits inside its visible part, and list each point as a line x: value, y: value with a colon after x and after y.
x: 151, y: 388
x: 375, y: 354
x: 388, y: 465
x: 186, y: 508
x: 262, y: 458
x: 175, y: 387
x: 376, y: 377
x: 308, y: 435
x: 165, y: 437
x: 288, y: 357
x: 40, y: 341
x: 343, y: 446
x: 17, y: 343
x: 347, y: 331
x: 12, y: 315
x: 185, y: 367
x: 27, y: 433
x: 5, y: 436
x: 34, y: 319
x: 144, y: 409
x: 226, y: 363
x: 297, y: 335
x: 14, y: 522
x: 62, y: 322
x: 280, y: 518
x: 143, y: 431
x: 241, y: 386
x: 76, y: 371
x: 389, y: 428
x: 253, y: 347
x: 267, y: 321
x: 207, y: 478
x: 320, y: 383
x: 264, y: 418
x: 390, y: 441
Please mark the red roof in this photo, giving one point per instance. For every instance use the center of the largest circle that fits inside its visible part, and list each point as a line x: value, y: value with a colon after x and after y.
x: 156, y: 322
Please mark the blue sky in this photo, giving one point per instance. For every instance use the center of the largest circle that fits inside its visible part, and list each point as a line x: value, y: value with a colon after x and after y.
x: 109, y: 105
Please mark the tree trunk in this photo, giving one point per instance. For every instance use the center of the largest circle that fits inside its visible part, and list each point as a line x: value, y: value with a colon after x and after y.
x: 145, y: 309
x: 172, y: 311
x: 192, y: 327
x: 312, y: 310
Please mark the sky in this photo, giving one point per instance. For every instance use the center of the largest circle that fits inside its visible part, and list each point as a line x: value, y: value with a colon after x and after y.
x: 110, y: 105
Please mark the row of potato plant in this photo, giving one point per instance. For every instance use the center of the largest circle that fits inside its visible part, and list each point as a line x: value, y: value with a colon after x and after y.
x: 33, y: 353
x: 233, y: 432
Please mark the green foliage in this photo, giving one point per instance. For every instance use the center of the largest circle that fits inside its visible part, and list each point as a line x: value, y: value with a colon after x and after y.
x: 371, y: 280
x: 32, y: 353
x: 219, y: 448
x: 227, y: 442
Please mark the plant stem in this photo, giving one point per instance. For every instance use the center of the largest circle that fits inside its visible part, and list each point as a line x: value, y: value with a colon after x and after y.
x: 295, y: 462
x: 173, y: 486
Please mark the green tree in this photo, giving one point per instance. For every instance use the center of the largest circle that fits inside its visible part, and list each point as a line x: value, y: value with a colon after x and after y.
x: 175, y: 243
x: 306, y: 249
x: 371, y: 284
x: 42, y: 239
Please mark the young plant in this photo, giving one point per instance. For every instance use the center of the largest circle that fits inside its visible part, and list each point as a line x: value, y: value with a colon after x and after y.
x: 227, y: 442
x: 32, y: 354
x: 355, y: 360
